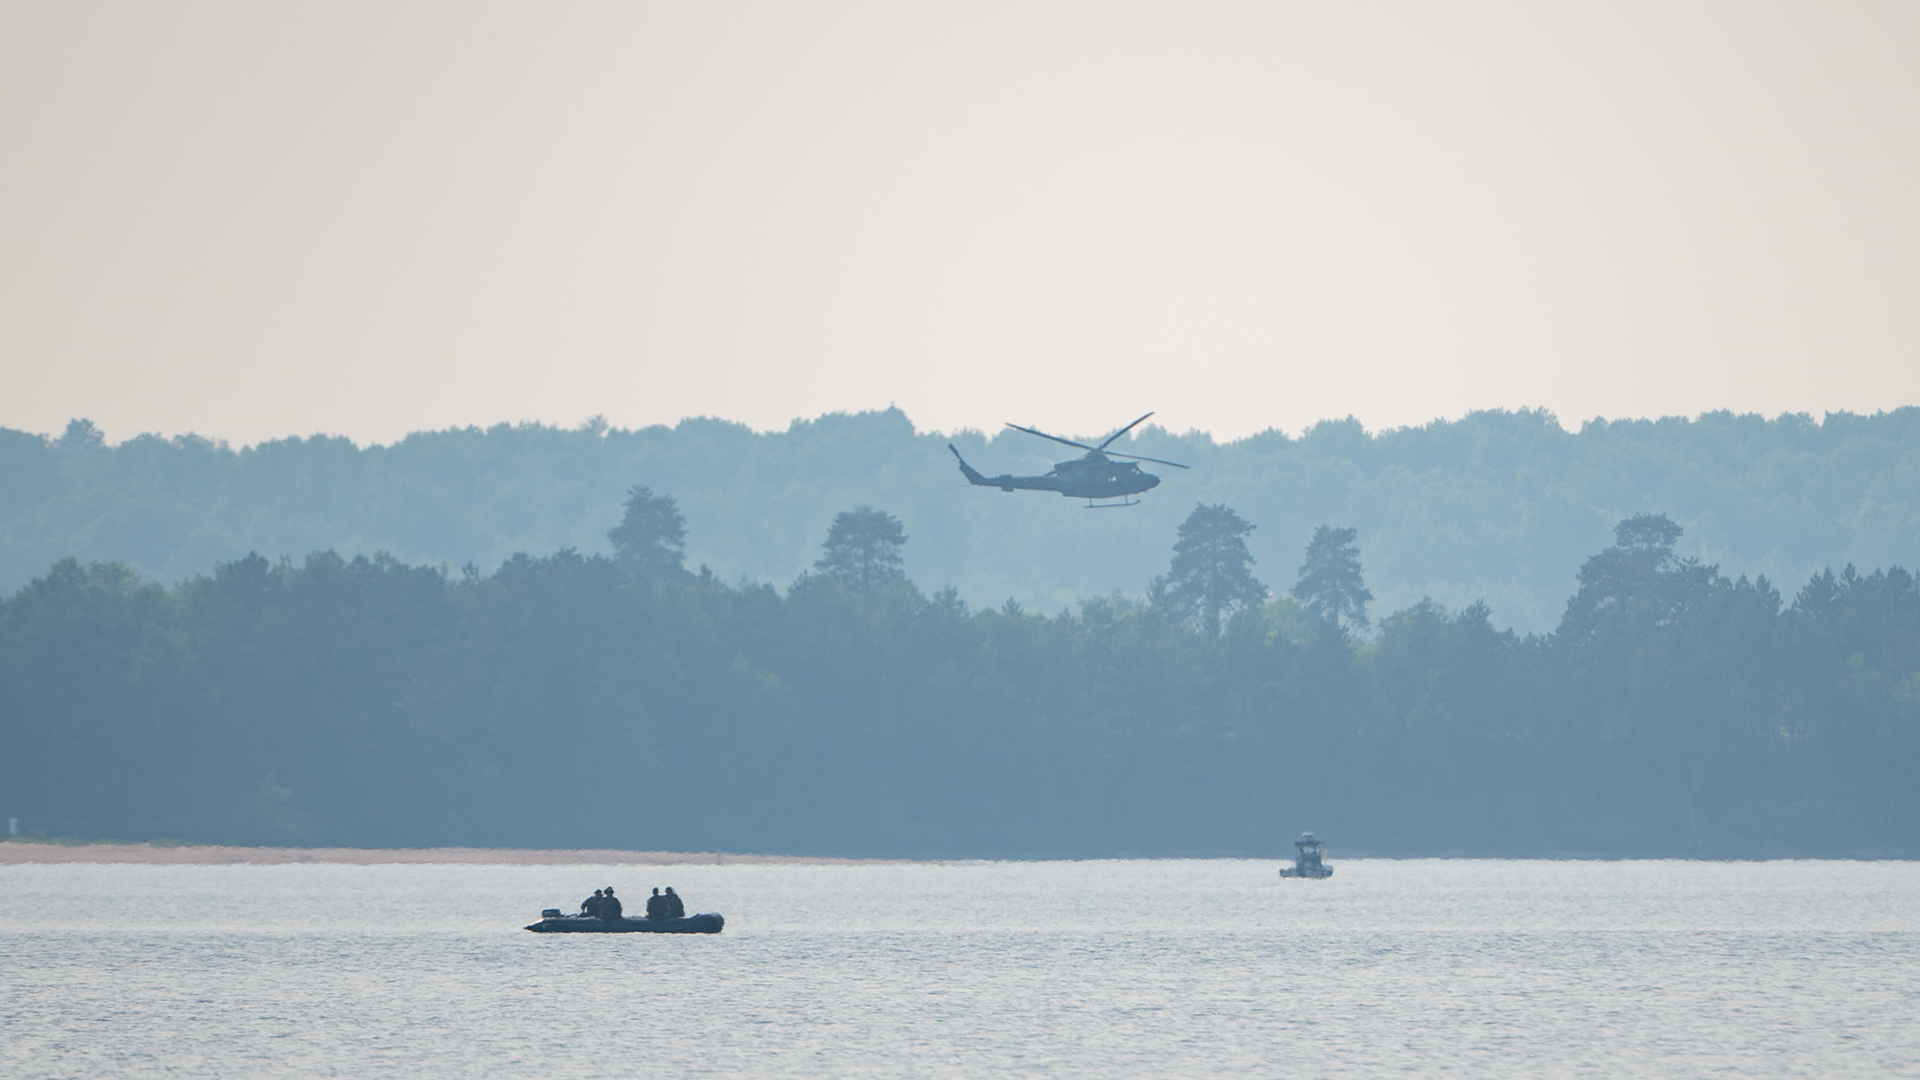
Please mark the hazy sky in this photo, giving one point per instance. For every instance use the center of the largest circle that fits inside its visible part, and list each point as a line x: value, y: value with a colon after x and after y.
x: 252, y: 220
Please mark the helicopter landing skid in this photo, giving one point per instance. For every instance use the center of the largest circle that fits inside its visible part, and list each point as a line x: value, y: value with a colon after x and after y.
x: 1092, y: 505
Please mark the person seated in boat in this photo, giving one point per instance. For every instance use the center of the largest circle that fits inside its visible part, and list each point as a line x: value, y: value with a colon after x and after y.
x: 675, y: 909
x: 658, y: 906
x: 609, y: 905
x: 590, y: 907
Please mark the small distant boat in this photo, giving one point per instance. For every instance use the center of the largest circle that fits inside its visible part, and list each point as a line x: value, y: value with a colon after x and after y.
x: 1309, y: 857
x: 553, y: 922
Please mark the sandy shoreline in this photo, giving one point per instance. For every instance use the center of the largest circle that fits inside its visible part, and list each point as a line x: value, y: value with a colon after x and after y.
x: 16, y: 852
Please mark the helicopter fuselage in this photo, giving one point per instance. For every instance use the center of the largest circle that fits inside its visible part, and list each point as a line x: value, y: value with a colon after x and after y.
x: 1089, y: 477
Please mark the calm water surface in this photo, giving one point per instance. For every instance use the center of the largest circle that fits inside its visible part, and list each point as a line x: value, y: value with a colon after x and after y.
x: 1094, y: 969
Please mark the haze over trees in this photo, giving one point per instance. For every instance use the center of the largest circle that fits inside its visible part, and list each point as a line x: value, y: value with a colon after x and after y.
x: 1332, y: 587
x: 863, y: 549
x: 1212, y: 572
x: 565, y: 700
x: 1498, y: 506
x: 650, y: 541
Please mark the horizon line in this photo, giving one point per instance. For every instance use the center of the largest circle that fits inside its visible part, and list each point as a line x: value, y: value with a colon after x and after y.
x: 599, y: 426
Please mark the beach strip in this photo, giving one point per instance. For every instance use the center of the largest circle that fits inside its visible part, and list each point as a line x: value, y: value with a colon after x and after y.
x: 14, y: 852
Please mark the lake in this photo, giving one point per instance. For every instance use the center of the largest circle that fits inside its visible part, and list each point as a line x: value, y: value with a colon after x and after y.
x: 1151, y: 968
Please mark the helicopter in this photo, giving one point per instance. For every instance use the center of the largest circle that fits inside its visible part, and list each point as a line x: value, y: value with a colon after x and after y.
x: 1093, y: 476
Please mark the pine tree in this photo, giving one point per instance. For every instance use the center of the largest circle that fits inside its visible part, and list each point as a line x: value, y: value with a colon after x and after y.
x: 1635, y: 585
x: 1331, y: 586
x: 651, y: 538
x: 1212, y: 571
x: 863, y: 548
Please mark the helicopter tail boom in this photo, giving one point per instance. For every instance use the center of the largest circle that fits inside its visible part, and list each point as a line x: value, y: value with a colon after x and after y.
x: 1005, y: 481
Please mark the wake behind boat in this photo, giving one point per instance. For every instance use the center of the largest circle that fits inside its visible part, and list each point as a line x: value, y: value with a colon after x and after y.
x: 553, y: 922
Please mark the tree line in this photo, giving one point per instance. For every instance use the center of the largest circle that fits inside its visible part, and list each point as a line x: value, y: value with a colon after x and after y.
x: 1496, y: 506
x: 624, y: 700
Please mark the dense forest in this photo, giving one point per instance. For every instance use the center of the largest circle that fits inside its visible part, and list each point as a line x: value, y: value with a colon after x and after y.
x: 625, y: 700
x: 1498, y: 506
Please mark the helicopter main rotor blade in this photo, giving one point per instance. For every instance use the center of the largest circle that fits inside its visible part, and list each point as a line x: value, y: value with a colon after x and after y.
x: 1055, y: 438
x: 1155, y: 460
x: 1123, y: 431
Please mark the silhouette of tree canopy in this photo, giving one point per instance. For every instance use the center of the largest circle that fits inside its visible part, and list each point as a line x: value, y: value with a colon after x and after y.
x: 1637, y: 585
x: 863, y: 548
x: 81, y: 435
x: 1212, y: 572
x: 1650, y: 536
x: 650, y: 541
x: 1331, y: 586
x: 369, y: 701
x: 1494, y: 504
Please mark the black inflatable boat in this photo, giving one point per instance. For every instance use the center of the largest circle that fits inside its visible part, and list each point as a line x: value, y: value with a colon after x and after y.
x: 552, y: 922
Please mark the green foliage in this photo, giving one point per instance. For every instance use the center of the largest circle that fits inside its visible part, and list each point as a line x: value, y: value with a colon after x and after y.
x: 1212, y: 572
x: 1331, y: 586
x: 81, y: 435
x: 650, y: 541
x: 1637, y: 586
x: 863, y: 549
x: 559, y: 702
x: 1501, y: 506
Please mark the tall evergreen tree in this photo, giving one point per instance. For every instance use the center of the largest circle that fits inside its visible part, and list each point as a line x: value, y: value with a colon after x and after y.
x: 1331, y: 586
x: 863, y: 548
x: 1212, y: 572
x: 651, y: 539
